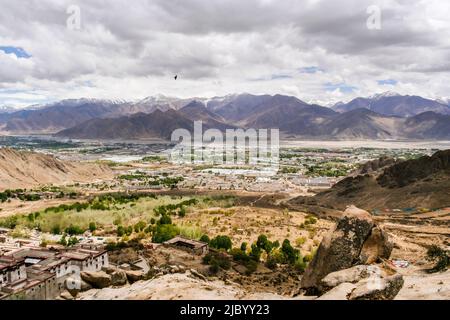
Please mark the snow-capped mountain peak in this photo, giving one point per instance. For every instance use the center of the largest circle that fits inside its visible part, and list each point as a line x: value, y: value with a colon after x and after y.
x: 384, y: 95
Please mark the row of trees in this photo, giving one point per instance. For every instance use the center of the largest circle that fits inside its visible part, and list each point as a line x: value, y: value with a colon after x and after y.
x: 19, y: 194
x: 249, y: 257
x: 177, y: 208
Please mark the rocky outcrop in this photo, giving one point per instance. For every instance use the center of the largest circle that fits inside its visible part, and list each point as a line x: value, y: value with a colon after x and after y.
x: 97, y: 279
x: 76, y: 285
x: 118, y: 278
x: 355, y: 240
x: 351, y: 275
x: 134, y: 276
x: 340, y: 292
x: 376, y: 246
x: 379, y: 288
x: 362, y: 282
x: 66, y: 295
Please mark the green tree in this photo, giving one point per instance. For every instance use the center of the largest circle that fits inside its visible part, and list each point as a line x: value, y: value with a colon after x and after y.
x: 182, y: 212
x: 290, y: 254
x: 56, y: 229
x: 73, y: 230
x: 72, y: 241
x: 205, y: 238
x: 165, y: 232
x: 165, y: 219
x: 120, y: 231
x: 221, y: 242
x: 255, y: 253
x: 140, y: 226
x: 63, y: 240
x: 264, y: 244
x: 440, y: 256
x: 92, y: 226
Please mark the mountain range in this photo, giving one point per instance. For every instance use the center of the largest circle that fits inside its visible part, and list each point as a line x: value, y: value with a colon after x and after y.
x: 392, y: 104
x: 384, y: 116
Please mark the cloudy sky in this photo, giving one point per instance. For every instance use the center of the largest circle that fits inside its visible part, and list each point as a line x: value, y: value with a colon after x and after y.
x: 320, y: 51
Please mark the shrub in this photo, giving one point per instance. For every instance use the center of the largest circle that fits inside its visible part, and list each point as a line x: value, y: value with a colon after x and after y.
x: 440, y: 256
x: 120, y: 231
x: 264, y: 244
x: 255, y: 253
x: 239, y: 255
x: 244, y: 246
x: 129, y: 230
x: 290, y: 254
x: 140, y: 226
x: 150, y: 229
x: 310, y: 220
x: 72, y: 241
x: 10, y: 222
x: 221, y: 242
x: 182, y: 212
x: 165, y: 219
x: 217, y: 261
x: 56, y: 229
x: 300, y: 264
x: 310, y: 256
x: 63, y: 240
x: 275, y: 244
x: 300, y: 241
x: 205, y: 238
x: 72, y: 230
x: 165, y: 232
x: 92, y: 226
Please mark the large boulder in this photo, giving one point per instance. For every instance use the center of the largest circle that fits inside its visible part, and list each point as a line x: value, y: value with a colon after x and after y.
x: 97, y: 279
x: 340, y: 292
x: 118, y: 278
x: 343, y: 247
x: 379, y: 288
x: 351, y: 275
x: 134, y: 276
x: 76, y: 285
x: 377, y: 246
x: 66, y: 295
x: 375, y: 282
x: 109, y: 269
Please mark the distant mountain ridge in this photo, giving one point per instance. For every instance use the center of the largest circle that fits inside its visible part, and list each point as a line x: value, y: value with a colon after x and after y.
x: 392, y: 104
x: 294, y: 117
x: 158, y: 124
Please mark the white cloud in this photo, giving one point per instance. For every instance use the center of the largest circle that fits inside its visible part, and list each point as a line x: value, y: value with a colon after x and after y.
x: 131, y: 50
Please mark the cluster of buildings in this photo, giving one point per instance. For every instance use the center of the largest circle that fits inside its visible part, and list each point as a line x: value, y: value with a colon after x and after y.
x: 35, y: 273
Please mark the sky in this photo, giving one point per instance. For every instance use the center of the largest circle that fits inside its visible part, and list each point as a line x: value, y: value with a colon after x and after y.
x: 319, y: 51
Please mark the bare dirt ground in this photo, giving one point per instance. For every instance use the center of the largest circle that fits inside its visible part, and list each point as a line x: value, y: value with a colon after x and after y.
x: 20, y: 207
x: 413, y: 233
x: 31, y: 169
